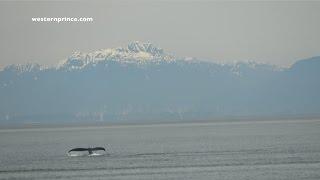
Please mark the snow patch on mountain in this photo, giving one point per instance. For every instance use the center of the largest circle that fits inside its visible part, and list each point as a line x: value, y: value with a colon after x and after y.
x: 23, y: 68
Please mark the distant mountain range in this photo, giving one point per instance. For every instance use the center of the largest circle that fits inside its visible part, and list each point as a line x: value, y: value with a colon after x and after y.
x: 142, y: 82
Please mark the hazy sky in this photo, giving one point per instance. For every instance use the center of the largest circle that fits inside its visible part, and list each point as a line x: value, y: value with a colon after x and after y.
x: 274, y: 32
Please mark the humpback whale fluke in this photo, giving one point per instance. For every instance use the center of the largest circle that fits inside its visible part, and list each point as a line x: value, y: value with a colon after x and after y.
x: 90, y: 150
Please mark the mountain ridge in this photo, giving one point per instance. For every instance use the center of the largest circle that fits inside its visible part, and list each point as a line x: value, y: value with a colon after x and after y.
x: 117, y: 84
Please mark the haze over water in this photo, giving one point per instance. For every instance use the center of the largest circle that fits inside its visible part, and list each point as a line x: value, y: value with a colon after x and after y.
x: 281, y: 149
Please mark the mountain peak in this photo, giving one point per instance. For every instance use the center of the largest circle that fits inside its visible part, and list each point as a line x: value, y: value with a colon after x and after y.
x: 134, y: 52
x: 137, y: 46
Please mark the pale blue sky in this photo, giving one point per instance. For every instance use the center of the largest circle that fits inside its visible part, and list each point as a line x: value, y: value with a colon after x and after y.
x: 273, y: 32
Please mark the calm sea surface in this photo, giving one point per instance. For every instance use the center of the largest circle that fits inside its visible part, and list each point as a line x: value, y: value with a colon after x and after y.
x: 234, y: 151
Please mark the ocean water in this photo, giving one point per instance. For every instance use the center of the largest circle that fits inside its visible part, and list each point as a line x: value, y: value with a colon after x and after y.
x: 284, y: 149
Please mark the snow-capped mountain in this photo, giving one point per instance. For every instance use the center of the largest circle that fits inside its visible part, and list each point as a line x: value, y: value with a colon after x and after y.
x: 143, y: 82
x: 135, y: 52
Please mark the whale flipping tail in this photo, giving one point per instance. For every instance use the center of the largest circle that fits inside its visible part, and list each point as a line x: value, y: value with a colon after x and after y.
x: 90, y: 150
